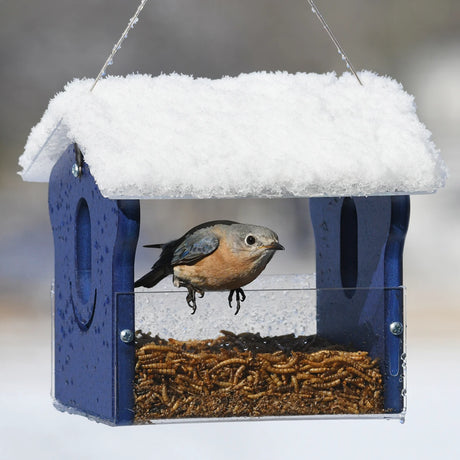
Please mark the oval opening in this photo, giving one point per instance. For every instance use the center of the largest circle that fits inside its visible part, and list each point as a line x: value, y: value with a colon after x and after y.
x: 349, y: 246
x: 83, y: 251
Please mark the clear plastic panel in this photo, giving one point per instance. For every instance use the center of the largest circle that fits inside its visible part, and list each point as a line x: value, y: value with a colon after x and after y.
x: 266, y: 361
x: 274, y: 306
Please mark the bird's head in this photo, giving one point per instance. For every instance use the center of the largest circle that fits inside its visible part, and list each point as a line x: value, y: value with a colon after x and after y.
x: 254, y: 241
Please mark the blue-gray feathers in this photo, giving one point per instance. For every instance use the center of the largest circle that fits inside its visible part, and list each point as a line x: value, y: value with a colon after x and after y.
x: 194, y: 248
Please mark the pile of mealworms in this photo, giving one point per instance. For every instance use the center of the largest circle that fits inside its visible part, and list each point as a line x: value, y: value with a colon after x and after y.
x: 235, y: 376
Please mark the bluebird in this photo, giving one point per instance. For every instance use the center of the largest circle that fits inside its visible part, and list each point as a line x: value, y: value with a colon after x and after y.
x: 219, y: 255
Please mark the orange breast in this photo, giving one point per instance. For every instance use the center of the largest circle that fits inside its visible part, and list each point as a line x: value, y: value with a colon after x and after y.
x: 221, y: 270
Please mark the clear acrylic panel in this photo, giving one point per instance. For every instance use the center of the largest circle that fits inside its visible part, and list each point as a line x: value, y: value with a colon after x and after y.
x: 274, y: 305
x: 268, y: 360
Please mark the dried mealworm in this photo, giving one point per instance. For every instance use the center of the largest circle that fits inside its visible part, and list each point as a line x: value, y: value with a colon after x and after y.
x: 357, y: 372
x: 238, y: 373
x: 276, y: 379
x: 224, y: 384
x: 169, y: 371
x: 164, y: 394
x: 158, y: 366
x: 317, y: 370
x: 256, y: 395
x: 153, y: 346
x: 295, y: 383
x: 301, y: 376
x: 277, y: 370
x: 323, y: 386
x: 228, y: 362
x: 289, y: 363
x: 174, y: 407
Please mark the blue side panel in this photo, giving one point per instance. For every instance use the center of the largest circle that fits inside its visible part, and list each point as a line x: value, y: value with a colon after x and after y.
x: 359, y: 245
x: 95, y: 240
x: 394, y: 301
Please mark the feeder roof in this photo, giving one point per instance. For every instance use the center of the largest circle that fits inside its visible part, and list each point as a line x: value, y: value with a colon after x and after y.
x: 259, y: 134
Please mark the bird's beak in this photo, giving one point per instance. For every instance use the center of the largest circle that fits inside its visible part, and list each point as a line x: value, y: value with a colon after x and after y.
x: 276, y: 246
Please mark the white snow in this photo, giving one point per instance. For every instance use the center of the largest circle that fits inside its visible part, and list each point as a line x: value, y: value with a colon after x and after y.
x: 259, y: 134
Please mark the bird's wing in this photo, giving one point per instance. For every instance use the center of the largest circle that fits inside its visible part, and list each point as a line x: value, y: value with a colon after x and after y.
x: 194, y: 248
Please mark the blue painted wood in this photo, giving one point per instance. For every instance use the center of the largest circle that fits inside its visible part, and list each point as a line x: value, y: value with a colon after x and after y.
x: 359, y: 244
x: 394, y: 303
x: 95, y: 240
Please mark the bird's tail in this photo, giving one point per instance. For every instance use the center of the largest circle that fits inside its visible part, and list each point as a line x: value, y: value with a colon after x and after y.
x: 153, y: 277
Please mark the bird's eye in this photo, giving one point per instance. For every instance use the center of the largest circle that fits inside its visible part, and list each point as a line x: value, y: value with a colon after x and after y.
x: 250, y: 240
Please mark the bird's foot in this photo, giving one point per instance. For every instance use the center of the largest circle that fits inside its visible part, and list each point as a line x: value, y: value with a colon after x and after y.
x: 240, y: 297
x: 191, y: 297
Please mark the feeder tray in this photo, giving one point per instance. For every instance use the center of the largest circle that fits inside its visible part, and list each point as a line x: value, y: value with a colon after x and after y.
x: 276, y: 364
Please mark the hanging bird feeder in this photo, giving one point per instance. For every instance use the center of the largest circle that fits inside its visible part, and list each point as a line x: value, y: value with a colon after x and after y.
x: 330, y: 344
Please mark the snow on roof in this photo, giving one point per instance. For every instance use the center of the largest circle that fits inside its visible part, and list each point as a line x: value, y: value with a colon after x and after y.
x: 259, y: 134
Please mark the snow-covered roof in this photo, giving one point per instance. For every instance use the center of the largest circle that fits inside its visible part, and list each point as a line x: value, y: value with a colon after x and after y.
x: 259, y: 134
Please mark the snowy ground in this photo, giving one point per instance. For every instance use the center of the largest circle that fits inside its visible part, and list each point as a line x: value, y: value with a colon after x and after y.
x: 31, y: 428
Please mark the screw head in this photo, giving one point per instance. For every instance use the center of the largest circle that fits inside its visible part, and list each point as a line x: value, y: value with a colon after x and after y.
x: 76, y: 170
x: 396, y: 328
x: 127, y: 335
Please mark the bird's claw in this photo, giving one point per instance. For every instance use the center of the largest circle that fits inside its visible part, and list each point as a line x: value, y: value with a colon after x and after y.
x: 240, y: 297
x: 191, y: 297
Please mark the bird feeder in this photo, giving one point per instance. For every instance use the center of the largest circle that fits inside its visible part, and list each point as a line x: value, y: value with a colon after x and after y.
x: 329, y: 345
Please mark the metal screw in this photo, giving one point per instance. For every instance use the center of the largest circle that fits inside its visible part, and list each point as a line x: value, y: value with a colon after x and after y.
x: 76, y: 170
x: 396, y: 328
x: 126, y: 335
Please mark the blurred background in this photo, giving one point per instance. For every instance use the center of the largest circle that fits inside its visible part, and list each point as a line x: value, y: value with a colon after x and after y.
x: 46, y: 43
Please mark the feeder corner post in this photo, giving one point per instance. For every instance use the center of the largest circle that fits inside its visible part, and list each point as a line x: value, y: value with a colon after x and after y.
x: 95, y: 241
x: 359, y: 250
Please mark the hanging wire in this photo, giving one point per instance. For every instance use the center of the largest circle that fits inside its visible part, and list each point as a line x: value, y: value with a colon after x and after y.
x: 135, y: 19
x: 335, y: 41
x: 117, y: 46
